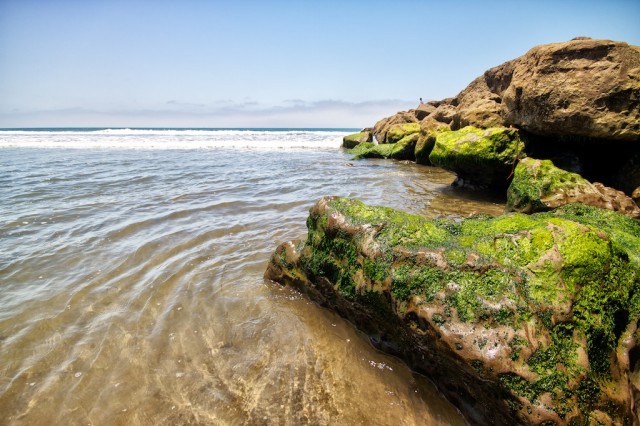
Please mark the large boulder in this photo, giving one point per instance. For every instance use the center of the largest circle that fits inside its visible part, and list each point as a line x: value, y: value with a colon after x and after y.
x: 538, y: 185
x: 482, y: 158
x: 582, y: 88
x: 520, y: 319
x: 585, y: 88
x: 397, y: 132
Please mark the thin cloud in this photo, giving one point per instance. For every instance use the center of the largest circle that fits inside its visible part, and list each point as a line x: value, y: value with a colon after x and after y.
x: 248, y: 113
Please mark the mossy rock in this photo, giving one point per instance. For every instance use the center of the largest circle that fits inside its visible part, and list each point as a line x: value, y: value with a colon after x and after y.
x: 485, y: 157
x: 538, y: 186
x: 351, y: 141
x: 429, y: 129
x: 519, y: 319
x: 401, y: 150
x: 534, y: 183
x: 397, y: 132
x: 424, y: 146
x: 382, y: 127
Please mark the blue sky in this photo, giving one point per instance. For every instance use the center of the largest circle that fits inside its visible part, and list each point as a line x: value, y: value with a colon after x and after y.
x: 266, y: 63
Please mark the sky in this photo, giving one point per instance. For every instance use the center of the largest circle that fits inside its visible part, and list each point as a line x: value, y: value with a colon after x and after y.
x: 242, y: 63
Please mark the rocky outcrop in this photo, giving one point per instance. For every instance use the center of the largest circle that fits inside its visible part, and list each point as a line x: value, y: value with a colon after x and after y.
x: 580, y: 97
x: 540, y: 186
x: 525, y: 318
x: 520, y: 319
x: 423, y: 111
x: 483, y: 158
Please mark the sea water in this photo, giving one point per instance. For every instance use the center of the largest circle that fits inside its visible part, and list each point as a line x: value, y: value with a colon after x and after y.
x: 131, y: 288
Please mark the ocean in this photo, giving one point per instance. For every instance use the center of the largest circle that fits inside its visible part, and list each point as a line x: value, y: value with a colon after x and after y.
x: 132, y: 290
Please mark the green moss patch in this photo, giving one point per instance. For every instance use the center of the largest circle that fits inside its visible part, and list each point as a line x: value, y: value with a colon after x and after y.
x: 401, y: 150
x: 536, y: 180
x: 351, y: 141
x: 485, y: 157
x: 397, y: 132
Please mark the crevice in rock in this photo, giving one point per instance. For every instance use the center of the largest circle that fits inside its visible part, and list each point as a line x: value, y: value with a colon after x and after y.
x: 597, y: 160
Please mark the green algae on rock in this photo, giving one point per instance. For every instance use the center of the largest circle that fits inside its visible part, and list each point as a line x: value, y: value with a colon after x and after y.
x: 538, y: 185
x: 404, y: 149
x: 518, y: 319
x: 397, y: 132
x: 429, y: 129
x: 382, y: 127
x: 351, y: 141
x: 485, y: 157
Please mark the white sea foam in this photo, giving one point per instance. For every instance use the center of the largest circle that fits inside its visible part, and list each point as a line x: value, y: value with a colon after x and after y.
x: 173, y: 139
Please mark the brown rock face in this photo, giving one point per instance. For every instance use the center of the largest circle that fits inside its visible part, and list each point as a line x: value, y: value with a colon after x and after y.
x: 588, y: 88
x: 581, y: 88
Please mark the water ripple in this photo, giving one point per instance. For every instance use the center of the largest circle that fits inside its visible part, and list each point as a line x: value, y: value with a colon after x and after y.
x: 132, y: 291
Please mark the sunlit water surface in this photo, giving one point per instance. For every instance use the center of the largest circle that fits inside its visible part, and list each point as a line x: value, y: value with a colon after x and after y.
x: 131, y: 288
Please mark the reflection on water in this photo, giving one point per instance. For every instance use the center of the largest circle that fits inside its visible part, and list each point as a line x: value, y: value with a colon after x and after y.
x: 131, y: 290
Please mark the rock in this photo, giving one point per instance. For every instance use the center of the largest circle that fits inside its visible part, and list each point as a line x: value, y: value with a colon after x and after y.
x: 479, y: 106
x: 350, y: 141
x: 445, y: 113
x: 636, y: 196
x: 404, y: 149
x: 429, y: 128
x: 482, y: 158
x: 397, y: 132
x: 581, y: 96
x: 582, y: 88
x: 540, y: 186
x: 423, y: 111
x: 424, y: 146
x: 519, y: 319
x: 381, y: 128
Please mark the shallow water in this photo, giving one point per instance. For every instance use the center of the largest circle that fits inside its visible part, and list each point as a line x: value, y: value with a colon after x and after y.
x: 131, y: 287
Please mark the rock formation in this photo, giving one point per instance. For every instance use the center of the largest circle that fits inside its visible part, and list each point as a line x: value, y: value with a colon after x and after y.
x: 580, y: 97
x: 520, y: 319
